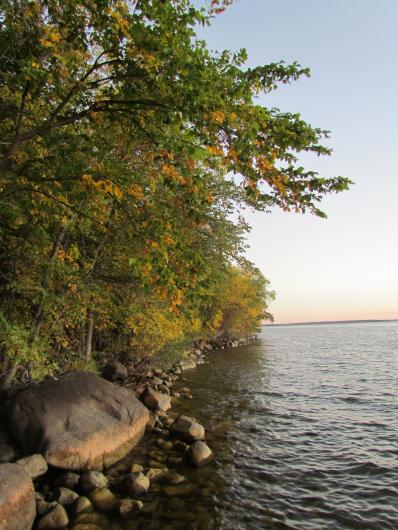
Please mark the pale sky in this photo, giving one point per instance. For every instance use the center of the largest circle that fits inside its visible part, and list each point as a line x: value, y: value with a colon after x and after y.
x: 344, y: 267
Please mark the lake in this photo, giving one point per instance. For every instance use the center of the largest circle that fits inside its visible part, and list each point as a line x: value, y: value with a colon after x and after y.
x: 305, y: 432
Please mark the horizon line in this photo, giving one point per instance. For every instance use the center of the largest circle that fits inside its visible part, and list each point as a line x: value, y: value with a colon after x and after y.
x: 353, y: 321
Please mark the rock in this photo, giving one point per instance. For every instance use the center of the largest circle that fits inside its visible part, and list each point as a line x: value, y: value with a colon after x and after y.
x: 136, y: 483
x: 97, y: 519
x: 17, y: 498
x: 187, y: 429
x: 157, y: 381
x: 175, y: 478
x: 128, y: 507
x: 79, y: 421
x: 151, y: 422
x: 164, y: 389
x: 222, y: 427
x: 174, y: 460
x: 181, y: 447
x: 42, y: 506
x: 68, y: 480
x: 114, y: 371
x: 154, y: 474
x: 80, y: 505
x: 103, y: 499
x: 66, y: 496
x: 199, y: 454
x: 187, y: 364
x: 156, y: 400
x: 7, y: 453
x: 136, y: 468
x: 180, y: 490
x: 33, y: 465
x: 90, y: 480
x: 57, y: 518
x: 87, y: 526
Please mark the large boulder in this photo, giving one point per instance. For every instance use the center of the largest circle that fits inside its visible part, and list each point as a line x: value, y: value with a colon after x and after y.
x: 17, y: 498
x: 79, y: 421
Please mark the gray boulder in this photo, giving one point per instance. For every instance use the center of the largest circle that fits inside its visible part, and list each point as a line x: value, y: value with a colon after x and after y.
x: 17, y: 498
x: 79, y: 421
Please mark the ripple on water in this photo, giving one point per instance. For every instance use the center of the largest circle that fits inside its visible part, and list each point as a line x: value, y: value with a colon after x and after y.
x: 314, y: 439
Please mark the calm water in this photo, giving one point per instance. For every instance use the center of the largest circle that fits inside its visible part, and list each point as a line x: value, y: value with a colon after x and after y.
x: 313, y: 435
x: 305, y: 429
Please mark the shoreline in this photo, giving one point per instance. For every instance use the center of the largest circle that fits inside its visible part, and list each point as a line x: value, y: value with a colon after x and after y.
x: 154, y: 466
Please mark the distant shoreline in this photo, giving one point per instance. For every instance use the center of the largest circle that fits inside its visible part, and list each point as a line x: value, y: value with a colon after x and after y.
x: 324, y: 322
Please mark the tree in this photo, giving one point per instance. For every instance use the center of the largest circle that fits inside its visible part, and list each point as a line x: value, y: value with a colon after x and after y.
x: 126, y: 144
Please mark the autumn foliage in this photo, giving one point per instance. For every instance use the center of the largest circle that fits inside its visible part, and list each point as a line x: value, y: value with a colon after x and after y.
x: 126, y: 145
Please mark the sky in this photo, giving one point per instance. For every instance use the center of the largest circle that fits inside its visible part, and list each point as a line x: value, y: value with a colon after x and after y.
x: 344, y: 267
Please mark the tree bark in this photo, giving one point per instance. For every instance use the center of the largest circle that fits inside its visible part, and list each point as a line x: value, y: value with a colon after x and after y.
x: 89, y: 335
x: 8, y: 377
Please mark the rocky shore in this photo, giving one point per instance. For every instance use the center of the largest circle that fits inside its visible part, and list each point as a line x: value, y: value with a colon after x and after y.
x: 69, y: 454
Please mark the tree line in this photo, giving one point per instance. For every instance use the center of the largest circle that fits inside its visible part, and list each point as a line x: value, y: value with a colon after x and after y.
x: 127, y: 149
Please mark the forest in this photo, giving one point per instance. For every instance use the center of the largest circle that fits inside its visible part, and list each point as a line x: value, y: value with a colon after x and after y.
x: 129, y: 154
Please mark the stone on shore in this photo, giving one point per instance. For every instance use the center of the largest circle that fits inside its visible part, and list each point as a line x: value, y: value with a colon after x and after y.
x: 156, y: 400
x: 57, y: 518
x: 68, y: 480
x: 187, y: 429
x: 33, y: 465
x: 66, y: 496
x: 187, y: 364
x: 90, y: 480
x: 103, y: 499
x: 79, y: 421
x: 129, y: 507
x: 136, y: 483
x: 199, y: 454
x: 17, y: 498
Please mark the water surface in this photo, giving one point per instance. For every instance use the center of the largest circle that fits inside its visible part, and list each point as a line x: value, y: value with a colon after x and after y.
x: 305, y: 429
x: 312, y: 439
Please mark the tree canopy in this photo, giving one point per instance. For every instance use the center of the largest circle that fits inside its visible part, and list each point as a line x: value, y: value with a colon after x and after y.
x: 126, y: 146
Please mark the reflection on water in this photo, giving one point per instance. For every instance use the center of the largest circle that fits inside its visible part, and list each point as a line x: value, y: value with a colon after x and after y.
x: 305, y: 429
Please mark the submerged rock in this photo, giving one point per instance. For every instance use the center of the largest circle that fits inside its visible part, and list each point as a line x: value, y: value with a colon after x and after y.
x: 129, y: 507
x: 79, y: 421
x: 17, y: 498
x: 136, y: 483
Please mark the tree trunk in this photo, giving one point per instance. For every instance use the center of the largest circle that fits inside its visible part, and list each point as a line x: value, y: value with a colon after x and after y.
x: 89, y: 334
x: 8, y: 377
